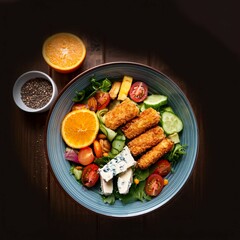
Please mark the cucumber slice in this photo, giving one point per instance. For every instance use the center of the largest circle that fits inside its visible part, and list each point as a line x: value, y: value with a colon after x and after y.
x: 171, y: 123
x: 108, y: 132
x: 168, y: 109
x: 77, y: 173
x: 101, y: 115
x: 142, y: 107
x: 118, y: 144
x: 174, y: 137
x: 155, y: 101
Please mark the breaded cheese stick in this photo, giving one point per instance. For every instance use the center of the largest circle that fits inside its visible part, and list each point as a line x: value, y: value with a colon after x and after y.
x: 155, y: 153
x: 146, y: 140
x: 146, y: 120
x: 119, y: 115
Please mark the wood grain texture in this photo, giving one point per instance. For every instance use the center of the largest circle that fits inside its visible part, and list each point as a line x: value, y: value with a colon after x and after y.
x: 33, y: 204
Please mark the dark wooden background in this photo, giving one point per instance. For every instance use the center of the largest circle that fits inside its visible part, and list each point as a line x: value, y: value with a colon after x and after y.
x: 196, y: 44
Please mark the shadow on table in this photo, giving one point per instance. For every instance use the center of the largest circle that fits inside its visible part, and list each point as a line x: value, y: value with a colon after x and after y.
x: 194, y: 54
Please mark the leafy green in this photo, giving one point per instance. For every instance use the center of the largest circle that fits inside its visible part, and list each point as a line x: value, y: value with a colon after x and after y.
x: 102, y: 161
x: 136, y: 193
x: 103, y: 85
x: 109, y: 199
x: 71, y: 168
x: 76, y: 172
x: 140, y: 174
x: 95, y: 85
x: 140, y: 193
x: 176, y: 153
x: 79, y: 96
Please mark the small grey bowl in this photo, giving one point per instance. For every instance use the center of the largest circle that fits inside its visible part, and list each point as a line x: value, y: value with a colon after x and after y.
x: 18, y: 87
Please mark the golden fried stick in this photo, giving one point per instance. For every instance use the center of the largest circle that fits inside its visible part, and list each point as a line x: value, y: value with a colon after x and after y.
x: 146, y: 140
x: 119, y: 115
x: 146, y: 120
x: 155, y: 153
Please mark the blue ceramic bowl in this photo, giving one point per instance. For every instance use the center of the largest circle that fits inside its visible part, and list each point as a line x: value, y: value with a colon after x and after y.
x: 158, y: 83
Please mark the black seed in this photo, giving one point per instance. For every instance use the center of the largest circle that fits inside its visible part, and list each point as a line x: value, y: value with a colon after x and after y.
x: 36, y: 93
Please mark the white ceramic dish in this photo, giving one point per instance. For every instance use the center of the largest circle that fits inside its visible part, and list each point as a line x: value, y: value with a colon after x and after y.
x: 22, y: 80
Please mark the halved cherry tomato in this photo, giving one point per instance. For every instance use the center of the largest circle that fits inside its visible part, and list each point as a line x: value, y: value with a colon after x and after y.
x: 154, y: 184
x: 90, y: 175
x: 138, y: 91
x: 77, y: 106
x: 162, y: 167
x: 85, y: 156
x: 103, y: 99
x: 92, y: 104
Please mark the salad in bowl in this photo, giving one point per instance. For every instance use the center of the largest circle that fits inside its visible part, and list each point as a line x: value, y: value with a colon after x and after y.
x: 122, y: 139
x: 135, y: 145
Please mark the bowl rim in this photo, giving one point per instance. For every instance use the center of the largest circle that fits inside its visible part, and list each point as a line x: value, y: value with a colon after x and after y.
x: 109, y: 64
x: 23, y: 78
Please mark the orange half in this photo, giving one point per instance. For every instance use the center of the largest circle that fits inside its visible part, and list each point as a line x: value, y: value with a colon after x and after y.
x: 79, y: 128
x: 64, y: 52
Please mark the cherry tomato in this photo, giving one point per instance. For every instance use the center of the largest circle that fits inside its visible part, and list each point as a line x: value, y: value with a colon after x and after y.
x: 90, y: 175
x: 138, y: 91
x: 85, y: 156
x: 103, y: 99
x: 77, y: 106
x: 154, y: 184
x: 92, y: 104
x: 162, y: 167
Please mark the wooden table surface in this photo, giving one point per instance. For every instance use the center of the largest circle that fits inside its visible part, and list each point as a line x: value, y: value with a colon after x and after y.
x: 33, y: 205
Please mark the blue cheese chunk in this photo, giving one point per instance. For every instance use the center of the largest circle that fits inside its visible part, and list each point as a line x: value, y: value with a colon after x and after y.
x: 118, y: 164
x: 125, y: 180
x: 106, y: 187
